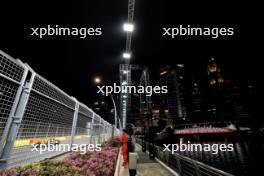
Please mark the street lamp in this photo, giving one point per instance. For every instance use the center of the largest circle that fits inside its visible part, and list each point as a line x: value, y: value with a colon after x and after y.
x: 128, y: 27
x: 126, y: 55
x: 97, y: 80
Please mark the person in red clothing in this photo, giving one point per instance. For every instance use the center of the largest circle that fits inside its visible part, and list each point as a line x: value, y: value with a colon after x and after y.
x: 124, y: 147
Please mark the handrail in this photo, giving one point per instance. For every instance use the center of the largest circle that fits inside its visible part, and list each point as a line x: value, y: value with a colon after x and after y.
x: 195, y: 168
x: 186, y: 166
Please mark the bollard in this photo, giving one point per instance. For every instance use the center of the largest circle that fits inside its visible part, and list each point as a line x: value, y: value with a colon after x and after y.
x: 132, y: 164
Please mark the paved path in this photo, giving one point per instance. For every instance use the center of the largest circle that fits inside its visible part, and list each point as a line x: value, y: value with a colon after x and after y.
x: 148, y: 167
x: 145, y: 166
x: 123, y: 170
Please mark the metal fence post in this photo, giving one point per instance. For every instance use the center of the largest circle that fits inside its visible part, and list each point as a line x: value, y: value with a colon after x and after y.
x: 47, y: 134
x: 104, y: 132
x: 17, y: 119
x: 12, y: 112
x: 74, y: 121
x: 92, y: 128
x: 100, y: 131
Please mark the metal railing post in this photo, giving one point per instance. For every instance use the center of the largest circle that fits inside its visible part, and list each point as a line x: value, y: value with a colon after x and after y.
x: 47, y: 134
x: 74, y: 121
x: 178, y: 165
x: 197, y: 170
x: 100, y: 130
x: 16, y: 120
x: 92, y: 128
x: 12, y: 112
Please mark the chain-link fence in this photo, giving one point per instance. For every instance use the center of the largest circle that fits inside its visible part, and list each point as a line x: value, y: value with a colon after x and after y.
x: 33, y: 111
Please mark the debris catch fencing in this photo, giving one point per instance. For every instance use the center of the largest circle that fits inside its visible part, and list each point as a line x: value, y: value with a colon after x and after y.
x: 34, y: 111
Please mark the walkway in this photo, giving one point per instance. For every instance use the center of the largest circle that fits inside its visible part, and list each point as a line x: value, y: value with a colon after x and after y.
x: 145, y: 166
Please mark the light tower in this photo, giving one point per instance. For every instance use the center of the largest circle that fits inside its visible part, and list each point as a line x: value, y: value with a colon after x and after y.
x: 125, y: 69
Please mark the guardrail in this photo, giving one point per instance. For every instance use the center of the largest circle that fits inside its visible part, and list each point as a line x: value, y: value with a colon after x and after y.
x: 184, y: 166
x: 33, y: 110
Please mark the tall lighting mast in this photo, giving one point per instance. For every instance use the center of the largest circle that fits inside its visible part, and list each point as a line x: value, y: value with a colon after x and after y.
x: 125, y: 69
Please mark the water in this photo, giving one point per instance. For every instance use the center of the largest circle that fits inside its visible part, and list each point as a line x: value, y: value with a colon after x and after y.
x: 246, y: 159
x: 243, y: 161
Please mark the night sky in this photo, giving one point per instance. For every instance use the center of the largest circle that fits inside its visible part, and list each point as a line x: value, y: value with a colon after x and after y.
x: 71, y: 63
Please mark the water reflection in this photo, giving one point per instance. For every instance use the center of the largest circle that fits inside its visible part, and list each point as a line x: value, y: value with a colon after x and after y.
x: 239, y: 162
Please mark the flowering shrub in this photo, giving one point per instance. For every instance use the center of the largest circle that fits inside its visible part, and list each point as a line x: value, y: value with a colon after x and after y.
x: 44, y: 168
x: 90, y: 164
x: 101, y: 163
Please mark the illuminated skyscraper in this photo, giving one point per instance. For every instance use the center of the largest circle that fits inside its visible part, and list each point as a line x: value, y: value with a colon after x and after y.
x: 173, y: 78
x: 214, y: 92
x: 214, y: 74
x: 196, y: 107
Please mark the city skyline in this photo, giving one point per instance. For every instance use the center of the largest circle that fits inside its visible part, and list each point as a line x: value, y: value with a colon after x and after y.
x: 140, y: 79
x: 83, y: 59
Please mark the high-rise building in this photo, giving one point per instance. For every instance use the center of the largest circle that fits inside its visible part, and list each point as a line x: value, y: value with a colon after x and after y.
x: 163, y: 74
x: 215, y: 90
x: 224, y: 97
x: 196, y: 106
x: 174, y: 100
x: 214, y: 75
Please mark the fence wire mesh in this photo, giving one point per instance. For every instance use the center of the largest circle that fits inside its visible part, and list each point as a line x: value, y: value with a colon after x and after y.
x: 48, y: 116
x: 11, y: 74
